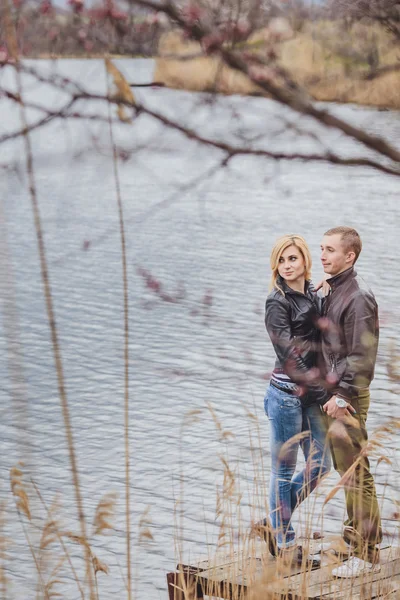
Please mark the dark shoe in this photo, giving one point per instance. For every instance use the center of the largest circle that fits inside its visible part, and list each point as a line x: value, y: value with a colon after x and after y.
x: 264, y: 530
x: 296, y: 556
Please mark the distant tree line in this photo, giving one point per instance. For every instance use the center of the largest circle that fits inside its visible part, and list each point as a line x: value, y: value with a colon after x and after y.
x: 45, y: 29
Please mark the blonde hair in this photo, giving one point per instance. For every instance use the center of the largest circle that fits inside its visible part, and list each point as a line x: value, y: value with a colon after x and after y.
x: 280, y: 246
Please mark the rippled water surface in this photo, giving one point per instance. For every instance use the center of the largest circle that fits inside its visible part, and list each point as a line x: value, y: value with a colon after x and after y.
x: 199, y: 236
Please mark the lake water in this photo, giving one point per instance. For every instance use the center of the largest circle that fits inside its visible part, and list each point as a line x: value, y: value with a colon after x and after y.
x: 204, y: 235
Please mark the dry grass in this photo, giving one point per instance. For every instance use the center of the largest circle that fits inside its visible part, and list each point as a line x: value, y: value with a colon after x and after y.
x: 202, y: 73
x: 53, y: 546
x: 246, y: 558
x: 329, y: 69
x: 333, y: 72
x: 240, y: 557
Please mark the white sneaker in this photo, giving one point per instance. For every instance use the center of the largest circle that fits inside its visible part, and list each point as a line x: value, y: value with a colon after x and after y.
x: 355, y: 567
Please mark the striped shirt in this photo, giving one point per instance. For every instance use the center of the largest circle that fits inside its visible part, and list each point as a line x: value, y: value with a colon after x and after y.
x: 281, y: 378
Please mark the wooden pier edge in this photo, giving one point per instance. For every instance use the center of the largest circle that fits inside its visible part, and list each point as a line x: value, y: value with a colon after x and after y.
x: 183, y: 584
x: 217, y: 579
x: 186, y: 583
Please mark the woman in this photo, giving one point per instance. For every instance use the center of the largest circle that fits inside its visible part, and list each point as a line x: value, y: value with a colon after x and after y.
x: 293, y: 398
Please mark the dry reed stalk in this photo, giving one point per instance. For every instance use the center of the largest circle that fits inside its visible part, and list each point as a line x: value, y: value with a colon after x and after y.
x: 223, y: 434
x: 227, y: 497
x: 11, y: 328
x: 47, y: 538
x: 60, y: 539
x: 125, y: 93
x: 393, y: 364
x: 19, y: 492
x: 98, y: 567
x: 23, y: 508
x: 228, y: 512
x: 3, y: 552
x: 11, y: 40
x: 104, y: 512
x: 310, y: 524
x: 189, y: 418
x: 259, y: 478
x: 144, y: 530
x: 49, y: 592
x: 374, y: 445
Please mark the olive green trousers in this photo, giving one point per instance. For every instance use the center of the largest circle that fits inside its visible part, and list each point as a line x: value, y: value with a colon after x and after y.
x: 348, y: 439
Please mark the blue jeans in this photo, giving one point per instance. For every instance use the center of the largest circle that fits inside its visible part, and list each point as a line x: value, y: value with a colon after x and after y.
x: 288, y: 418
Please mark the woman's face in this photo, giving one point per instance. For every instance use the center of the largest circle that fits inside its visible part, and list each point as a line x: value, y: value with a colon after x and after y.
x: 291, y: 266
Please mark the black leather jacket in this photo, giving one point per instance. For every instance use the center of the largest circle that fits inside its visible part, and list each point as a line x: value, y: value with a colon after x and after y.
x: 350, y: 335
x: 291, y: 321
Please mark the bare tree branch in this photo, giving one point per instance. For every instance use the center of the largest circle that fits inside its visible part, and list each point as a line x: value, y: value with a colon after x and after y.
x: 382, y: 71
x: 287, y: 93
x: 229, y: 150
x: 288, y: 97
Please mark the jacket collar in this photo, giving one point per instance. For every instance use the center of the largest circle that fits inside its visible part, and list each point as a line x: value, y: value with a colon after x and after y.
x: 288, y: 290
x: 337, y: 280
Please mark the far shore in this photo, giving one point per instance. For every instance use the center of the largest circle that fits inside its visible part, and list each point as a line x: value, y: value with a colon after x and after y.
x: 326, y: 67
x: 325, y: 75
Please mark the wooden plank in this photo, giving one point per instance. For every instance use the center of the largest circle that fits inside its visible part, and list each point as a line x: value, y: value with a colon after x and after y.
x: 248, y: 569
x: 390, y: 561
x: 367, y: 586
x: 390, y: 591
x: 232, y: 571
x: 334, y: 545
x: 229, y: 575
x: 217, y: 575
x: 221, y: 589
x: 256, y: 548
x: 224, y: 581
x: 281, y: 581
x: 183, y: 585
x: 321, y: 584
x: 235, y: 578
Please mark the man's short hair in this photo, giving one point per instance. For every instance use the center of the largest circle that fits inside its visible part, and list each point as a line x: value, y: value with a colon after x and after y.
x: 350, y: 239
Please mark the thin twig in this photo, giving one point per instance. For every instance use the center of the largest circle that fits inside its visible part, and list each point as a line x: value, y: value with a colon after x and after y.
x: 126, y: 352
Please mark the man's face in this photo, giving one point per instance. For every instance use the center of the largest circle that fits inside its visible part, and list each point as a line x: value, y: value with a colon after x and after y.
x: 334, y: 258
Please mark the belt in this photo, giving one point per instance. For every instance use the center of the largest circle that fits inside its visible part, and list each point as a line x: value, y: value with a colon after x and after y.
x: 292, y: 391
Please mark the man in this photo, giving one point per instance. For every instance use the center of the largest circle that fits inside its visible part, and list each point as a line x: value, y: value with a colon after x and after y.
x: 349, y: 342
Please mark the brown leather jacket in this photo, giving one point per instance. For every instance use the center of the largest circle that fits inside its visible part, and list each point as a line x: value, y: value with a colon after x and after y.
x: 350, y: 335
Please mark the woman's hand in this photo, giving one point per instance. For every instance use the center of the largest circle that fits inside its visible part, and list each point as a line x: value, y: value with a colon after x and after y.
x: 324, y: 285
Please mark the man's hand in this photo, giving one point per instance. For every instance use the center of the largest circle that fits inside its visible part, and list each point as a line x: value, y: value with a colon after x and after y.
x: 333, y: 410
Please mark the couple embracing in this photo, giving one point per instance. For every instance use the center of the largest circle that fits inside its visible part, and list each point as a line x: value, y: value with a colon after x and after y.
x: 326, y: 345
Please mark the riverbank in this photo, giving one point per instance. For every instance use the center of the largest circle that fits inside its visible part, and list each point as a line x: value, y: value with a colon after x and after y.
x: 359, y: 67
